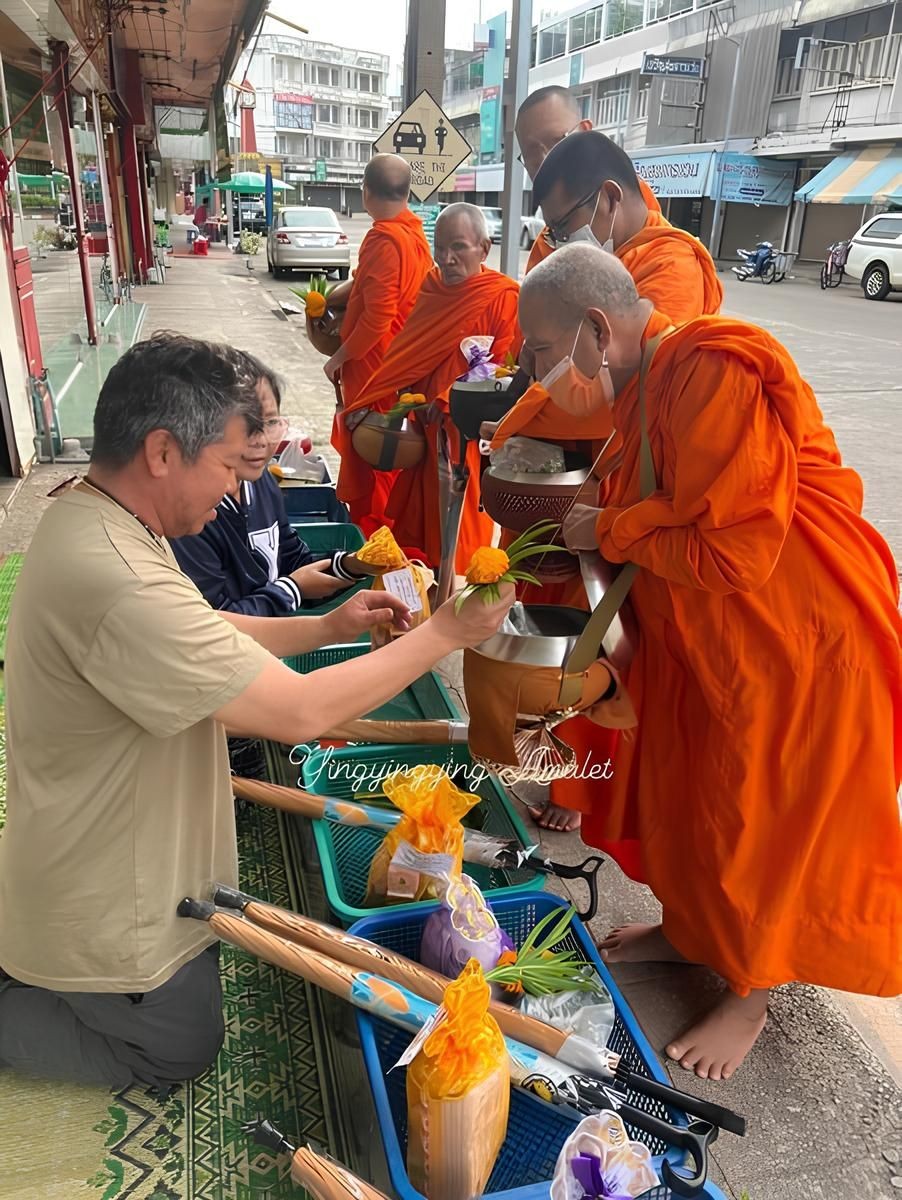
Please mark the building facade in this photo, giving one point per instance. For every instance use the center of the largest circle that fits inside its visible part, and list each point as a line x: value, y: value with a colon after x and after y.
x: 319, y: 109
x: 803, y: 83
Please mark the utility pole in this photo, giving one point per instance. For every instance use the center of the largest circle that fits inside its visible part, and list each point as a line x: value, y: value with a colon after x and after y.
x: 515, y: 90
x: 716, y: 223
x: 424, y: 51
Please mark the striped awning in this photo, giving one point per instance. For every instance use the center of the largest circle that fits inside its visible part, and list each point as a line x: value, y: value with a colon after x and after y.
x: 869, y: 176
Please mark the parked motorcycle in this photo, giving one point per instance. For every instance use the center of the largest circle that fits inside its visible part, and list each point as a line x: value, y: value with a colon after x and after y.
x: 760, y: 263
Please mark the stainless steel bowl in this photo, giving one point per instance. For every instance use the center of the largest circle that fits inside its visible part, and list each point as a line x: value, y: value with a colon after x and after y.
x: 538, y: 635
x: 537, y: 480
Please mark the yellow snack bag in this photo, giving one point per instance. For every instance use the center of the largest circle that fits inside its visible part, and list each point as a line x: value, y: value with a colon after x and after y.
x: 458, y: 1096
x: 433, y: 807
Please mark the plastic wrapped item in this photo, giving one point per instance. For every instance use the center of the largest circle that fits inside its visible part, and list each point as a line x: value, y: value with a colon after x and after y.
x: 588, y: 1014
x: 463, y: 928
x: 478, y: 353
x: 599, y: 1160
x: 298, y: 464
x: 427, y: 843
x: 458, y: 1096
x: 410, y: 581
x: 528, y: 456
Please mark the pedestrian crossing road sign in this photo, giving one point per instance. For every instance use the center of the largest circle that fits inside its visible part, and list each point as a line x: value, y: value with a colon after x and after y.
x: 425, y: 137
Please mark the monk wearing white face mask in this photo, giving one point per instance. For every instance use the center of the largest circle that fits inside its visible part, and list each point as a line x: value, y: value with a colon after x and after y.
x: 589, y: 192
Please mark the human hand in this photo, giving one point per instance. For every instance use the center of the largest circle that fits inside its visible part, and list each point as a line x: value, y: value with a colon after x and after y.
x: 334, y: 364
x: 315, y: 583
x: 362, y: 613
x: 477, y: 619
x: 579, y: 528
x: 353, y: 419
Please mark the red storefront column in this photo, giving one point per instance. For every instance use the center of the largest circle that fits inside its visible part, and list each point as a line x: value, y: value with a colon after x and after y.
x: 134, y: 196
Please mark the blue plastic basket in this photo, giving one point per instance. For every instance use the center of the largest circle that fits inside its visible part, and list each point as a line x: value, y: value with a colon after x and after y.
x: 536, y: 1131
x: 426, y: 699
x: 346, y: 851
x: 314, y: 500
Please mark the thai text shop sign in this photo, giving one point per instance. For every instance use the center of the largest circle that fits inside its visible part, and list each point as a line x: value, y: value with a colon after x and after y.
x: 670, y: 175
x: 667, y: 64
x: 744, y: 179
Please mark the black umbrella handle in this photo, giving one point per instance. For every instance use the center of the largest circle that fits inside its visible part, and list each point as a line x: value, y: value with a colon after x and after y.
x: 695, y: 1138
x: 586, y: 871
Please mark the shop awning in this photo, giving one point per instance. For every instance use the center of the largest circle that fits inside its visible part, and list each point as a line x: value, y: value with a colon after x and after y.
x: 869, y: 176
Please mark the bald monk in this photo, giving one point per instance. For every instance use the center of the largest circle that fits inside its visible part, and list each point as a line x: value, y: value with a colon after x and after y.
x: 760, y: 789
x: 461, y: 298
x: 394, y: 260
x: 544, y: 119
x: 589, y: 192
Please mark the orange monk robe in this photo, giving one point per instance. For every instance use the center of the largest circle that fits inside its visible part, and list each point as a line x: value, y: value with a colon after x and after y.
x: 426, y: 357
x: 761, y: 783
x: 428, y: 350
x: 394, y: 260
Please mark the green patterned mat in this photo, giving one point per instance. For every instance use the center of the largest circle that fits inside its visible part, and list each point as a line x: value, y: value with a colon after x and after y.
x: 9, y: 573
x: 63, y: 1142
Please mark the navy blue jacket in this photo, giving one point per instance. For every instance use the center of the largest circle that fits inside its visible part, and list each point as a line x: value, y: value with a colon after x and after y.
x: 242, y: 561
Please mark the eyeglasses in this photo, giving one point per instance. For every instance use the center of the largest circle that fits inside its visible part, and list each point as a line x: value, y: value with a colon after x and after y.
x: 556, y: 235
x: 274, y: 424
x: 548, y: 149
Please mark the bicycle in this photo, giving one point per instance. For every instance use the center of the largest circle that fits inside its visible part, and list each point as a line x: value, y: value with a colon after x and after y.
x: 834, y: 267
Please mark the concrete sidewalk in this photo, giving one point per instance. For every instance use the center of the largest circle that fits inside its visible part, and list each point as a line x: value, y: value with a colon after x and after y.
x: 821, y: 1090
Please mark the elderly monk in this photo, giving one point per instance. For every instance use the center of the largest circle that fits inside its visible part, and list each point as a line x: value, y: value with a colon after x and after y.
x: 461, y: 298
x: 589, y: 192
x: 768, y: 676
x: 394, y: 260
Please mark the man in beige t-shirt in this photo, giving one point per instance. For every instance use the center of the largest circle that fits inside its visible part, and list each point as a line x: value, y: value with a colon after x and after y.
x: 121, y: 682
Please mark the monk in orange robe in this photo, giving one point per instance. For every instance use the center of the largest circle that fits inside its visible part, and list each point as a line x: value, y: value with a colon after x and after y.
x: 394, y: 260
x: 588, y: 190
x: 460, y: 299
x: 768, y: 676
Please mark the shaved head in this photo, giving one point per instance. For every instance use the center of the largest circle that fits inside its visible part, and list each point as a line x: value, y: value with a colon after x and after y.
x: 387, y: 177
x: 468, y: 214
x: 577, y: 278
x: 583, y: 162
x: 462, y: 242
x: 546, y: 117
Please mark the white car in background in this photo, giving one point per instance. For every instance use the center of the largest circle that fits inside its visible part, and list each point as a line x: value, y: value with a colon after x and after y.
x: 532, y: 228
x: 307, y: 239
x: 875, y: 256
x: 494, y: 221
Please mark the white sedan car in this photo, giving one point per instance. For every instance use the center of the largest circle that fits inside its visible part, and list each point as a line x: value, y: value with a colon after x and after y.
x: 307, y: 239
x: 532, y: 228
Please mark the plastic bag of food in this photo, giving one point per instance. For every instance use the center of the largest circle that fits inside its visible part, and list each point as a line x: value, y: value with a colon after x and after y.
x: 463, y: 928
x: 598, y: 1159
x: 396, y: 573
x: 588, y: 1014
x: 528, y: 456
x: 458, y: 1096
x: 427, y: 843
x: 477, y: 351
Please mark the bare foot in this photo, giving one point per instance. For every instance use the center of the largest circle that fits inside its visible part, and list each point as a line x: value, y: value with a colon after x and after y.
x: 638, y: 943
x: 557, y: 819
x: 716, y: 1046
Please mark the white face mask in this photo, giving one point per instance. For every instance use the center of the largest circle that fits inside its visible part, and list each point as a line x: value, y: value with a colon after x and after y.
x: 576, y: 393
x: 585, y: 234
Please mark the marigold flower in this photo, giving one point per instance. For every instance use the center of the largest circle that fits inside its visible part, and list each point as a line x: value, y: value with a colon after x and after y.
x: 276, y: 471
x: 408, y: 399
x: 315, y: 304
x: 487, y: 565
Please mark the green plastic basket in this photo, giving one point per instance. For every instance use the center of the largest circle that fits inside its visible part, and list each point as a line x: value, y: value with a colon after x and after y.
x: 324, y: 537
x: 346, y: 851
x: 426, y: 699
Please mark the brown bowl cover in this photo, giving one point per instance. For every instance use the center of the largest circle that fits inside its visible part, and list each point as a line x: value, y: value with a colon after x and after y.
x: 503, y: 698
x: 388, y: 447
